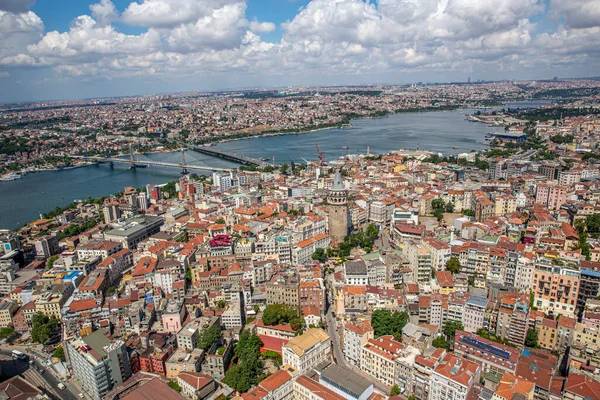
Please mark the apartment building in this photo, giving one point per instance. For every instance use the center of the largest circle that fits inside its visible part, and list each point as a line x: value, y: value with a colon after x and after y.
x: 474, y: 313
x: 355, y: 335
x: 493, y: 357
x: 453, y: 378
x: 555, y: 286
x: 420, y: 261
x: 378, y: 358
x: 98, y: 363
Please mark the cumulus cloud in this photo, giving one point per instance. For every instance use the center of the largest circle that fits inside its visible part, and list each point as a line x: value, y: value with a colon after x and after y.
x: 104, y: 12
x: 169, y: 13
x: 17, y: 31
x: 262, y: 27
x: 324, y: 38
x: 577, y: 13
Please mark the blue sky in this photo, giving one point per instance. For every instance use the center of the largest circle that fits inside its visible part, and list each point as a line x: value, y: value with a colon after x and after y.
x: 56, y: 49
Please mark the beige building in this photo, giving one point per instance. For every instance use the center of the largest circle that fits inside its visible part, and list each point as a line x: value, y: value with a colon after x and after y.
x: 183, y: 361
x: 378, y: 358
x: 7, y: 309
x: 307, y: 350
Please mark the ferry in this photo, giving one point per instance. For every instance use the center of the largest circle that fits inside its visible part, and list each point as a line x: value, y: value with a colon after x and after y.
x: 11, y: 177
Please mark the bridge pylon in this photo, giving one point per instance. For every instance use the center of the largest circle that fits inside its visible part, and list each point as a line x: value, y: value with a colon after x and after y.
x: 184, y: 170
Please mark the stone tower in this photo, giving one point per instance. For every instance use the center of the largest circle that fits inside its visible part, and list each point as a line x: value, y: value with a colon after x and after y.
x: 338, y: 209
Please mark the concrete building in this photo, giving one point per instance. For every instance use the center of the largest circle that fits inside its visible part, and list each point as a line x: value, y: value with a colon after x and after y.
x: 419, y: 258
x: 135, y: 230
x: 356, y: 335
x: 474, y: 313
x: 98, y: 363
x: 307, y: 350
x: 453, y: 378
x: 337, y: 201
x: 233, y: 317
x: 378, y: 358
x: 493, y: 357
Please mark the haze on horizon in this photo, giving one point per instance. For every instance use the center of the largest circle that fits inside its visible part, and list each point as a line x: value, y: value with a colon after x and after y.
x: 67, y: 49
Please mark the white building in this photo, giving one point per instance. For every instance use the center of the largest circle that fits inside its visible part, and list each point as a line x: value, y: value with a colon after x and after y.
x: 453, y: 378
x: 356, y: 335
x: 307, y: 350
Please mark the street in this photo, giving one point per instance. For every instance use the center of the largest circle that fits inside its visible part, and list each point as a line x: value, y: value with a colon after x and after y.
x: 46, y: 381
x: 338, y: 354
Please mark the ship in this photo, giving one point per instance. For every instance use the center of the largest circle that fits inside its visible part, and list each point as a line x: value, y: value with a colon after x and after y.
x: 10, y: 177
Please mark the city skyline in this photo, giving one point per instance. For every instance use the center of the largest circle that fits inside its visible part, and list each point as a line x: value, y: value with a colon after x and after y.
x: 71, y: 50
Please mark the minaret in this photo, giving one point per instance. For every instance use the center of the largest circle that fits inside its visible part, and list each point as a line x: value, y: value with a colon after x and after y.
x: 337, y: 201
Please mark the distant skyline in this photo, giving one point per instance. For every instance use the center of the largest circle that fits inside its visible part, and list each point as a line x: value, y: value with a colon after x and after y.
x: 71, y: 49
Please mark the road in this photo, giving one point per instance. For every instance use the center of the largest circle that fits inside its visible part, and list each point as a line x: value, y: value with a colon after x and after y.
x: 338, y: 354
x: 46, y: 381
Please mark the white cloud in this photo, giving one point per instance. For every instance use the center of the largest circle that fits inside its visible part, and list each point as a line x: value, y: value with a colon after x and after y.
x: 18, y: 60
x: 187, y: 38
x: 17, y: 31
x: 170, y: 13
x: 262, y: 27
x: 577, y: 13
x: 104, y: 12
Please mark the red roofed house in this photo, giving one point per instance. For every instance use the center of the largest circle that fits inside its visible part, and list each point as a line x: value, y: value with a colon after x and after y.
x: 196, y: 385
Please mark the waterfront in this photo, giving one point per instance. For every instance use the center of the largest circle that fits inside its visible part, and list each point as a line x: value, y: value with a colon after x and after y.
x: 437, y: 131
x: 23, y: 200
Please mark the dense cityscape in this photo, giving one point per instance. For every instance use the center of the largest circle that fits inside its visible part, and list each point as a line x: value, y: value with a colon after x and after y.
x: 410, y: 275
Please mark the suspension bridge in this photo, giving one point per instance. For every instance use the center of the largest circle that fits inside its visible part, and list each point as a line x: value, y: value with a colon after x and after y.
x: 136, y: 162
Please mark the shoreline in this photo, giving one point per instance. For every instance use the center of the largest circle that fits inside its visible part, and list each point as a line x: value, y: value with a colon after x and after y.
x: 339, y: 126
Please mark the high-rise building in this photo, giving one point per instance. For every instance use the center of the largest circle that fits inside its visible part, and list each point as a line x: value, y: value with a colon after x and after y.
x: 46, y: 246
x: 338, y: 209
x: 98, y: 363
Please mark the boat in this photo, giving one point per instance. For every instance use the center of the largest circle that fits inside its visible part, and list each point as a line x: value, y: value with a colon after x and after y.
x: 11, y: 177
x: 455, y: 147
x: 472, y: 119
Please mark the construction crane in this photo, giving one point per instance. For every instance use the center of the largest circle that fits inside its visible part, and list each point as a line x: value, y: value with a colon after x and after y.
x: 320, y: 154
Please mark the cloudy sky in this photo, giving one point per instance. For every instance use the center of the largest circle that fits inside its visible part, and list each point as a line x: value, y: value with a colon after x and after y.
x: 68, y: 49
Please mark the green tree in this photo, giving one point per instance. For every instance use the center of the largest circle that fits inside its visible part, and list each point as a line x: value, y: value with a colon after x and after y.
x: 175, y: 386
x: 221, y: 304
x: 284, y: 169
x: 384, y: 322
x: 453, y: 265
x: 441, y: 343
x: 280, y: 314
x: 249, y: 370
x: 50, y: 261
x: 297, y: 323
x: 220, y: 221
x: 320, y: 254
x: 395, y: 391
x: 42, y: 327
x: 451, y: 327
x: 531, y: 340
x: 59, y: 353
x: 209, y: 337
x: 469, y: 213
x: 7, y: 332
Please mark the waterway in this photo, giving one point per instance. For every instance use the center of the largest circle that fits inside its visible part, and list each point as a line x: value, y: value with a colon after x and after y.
x: 438, y: 131
x: 23, y: 200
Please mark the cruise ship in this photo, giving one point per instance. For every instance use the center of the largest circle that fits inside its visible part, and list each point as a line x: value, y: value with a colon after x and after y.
x: 10, y: 177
